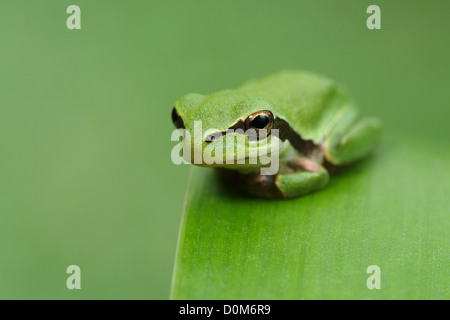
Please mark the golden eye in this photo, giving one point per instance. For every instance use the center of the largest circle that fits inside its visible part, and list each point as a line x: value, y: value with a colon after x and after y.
x: 259, y: 120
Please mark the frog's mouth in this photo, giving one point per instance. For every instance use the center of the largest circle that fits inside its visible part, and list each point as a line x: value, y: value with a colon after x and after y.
x: 256, y: 156
x: 278, y: 149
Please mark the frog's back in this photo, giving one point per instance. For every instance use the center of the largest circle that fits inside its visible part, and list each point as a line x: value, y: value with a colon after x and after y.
x: 308, y: 101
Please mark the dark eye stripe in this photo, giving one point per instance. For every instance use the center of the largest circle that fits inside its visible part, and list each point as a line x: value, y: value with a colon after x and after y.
x: 238, y: 125
x: 176, y: 119
x: 258, y: 120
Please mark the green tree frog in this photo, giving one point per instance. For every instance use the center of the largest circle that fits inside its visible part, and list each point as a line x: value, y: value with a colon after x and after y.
x: 319, y: 127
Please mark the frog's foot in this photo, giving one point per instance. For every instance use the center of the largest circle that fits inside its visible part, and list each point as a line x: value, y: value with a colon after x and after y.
x: 298, y: 177
x: 352, y: 141
x: 303, y: 176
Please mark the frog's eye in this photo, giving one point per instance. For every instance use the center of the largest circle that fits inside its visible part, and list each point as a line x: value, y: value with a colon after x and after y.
x: 176, y: 119
x: 257, y: 121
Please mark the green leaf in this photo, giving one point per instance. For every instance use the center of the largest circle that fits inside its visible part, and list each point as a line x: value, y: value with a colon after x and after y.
x: 391, y: 210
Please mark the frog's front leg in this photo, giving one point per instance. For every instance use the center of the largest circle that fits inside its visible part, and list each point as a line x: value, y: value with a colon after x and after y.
x: 296, y: 178
x: 302, y: 177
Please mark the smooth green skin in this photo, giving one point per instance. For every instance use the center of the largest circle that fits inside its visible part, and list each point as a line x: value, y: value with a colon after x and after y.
x: 314, y: 107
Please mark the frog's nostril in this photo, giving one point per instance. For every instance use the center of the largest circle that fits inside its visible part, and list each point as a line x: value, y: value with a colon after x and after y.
x: 213, y: 136
x: 210, y: 138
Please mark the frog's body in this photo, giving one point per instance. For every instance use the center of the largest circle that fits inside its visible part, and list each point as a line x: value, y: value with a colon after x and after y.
x: 316, y: 118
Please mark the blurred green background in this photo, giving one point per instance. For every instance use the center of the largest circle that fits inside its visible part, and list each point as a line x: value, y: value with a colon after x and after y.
x: 85, y: 170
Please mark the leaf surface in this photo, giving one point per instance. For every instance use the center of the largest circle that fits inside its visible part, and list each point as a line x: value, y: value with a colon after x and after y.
x: 391, y: 210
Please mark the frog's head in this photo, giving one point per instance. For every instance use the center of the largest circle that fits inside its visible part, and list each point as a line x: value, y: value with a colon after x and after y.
x: 226, y: 127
